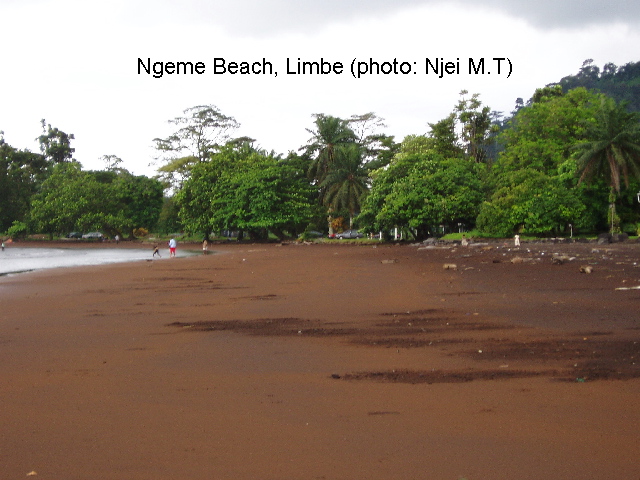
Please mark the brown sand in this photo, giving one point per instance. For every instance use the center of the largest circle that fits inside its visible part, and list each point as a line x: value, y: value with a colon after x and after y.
x: 325, y: 362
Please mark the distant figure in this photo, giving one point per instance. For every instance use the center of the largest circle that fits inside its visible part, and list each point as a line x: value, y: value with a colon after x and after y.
x: 3, y: 246
x: 172, y: 247
x: 465, y: 242
x: 117, y: 239
x: 156, y: 251
x: 205, y: 246
x: 517, y: 240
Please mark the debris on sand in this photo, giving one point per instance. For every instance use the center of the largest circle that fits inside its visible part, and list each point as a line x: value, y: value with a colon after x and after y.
x: 586, y: 269
x: 560, y: 259
x: 450, y: 266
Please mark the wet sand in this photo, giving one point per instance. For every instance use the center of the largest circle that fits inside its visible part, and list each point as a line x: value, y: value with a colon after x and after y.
x: 326, y: 362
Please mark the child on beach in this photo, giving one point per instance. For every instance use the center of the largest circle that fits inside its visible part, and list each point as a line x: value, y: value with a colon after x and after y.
x: 156, y: 251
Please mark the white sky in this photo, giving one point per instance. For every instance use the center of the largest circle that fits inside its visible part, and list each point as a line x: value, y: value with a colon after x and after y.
x: 74, y: 63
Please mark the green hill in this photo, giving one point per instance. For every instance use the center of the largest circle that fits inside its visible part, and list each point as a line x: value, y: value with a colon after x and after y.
x: 621, y: 83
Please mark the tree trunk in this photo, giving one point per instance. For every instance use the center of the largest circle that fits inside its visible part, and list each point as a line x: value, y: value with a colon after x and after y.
x: 614, y: 220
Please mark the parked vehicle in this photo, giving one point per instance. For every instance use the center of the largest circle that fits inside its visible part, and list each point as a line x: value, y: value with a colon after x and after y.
x: 75, y: 235
x: 349, y: 234
x: 91, y: 235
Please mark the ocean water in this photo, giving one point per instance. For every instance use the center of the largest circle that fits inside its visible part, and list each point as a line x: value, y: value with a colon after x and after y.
x: 14, y: 260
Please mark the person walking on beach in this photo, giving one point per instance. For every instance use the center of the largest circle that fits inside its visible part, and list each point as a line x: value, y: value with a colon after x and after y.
x: 3, y: 246
x: 172, y: 247
x: 517, y: 240
x: 205, y: 246
x: 156, y: 251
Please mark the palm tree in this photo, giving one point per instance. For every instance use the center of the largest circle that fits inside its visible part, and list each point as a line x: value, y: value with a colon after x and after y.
x: 347, y: 181
x: 329, y: 135
x: 611, y: 149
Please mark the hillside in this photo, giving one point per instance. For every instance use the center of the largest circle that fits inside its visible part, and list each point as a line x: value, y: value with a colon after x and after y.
x: 622, y: 83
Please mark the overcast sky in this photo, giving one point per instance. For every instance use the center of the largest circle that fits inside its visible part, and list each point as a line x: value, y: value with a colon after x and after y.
x: 75, y: 63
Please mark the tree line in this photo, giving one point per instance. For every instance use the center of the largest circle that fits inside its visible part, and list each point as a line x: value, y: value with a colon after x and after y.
x: 567, y: 161
x: 49, y: 192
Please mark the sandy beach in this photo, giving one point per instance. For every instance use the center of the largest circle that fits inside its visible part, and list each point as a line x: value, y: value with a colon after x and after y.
x: 330, y: 361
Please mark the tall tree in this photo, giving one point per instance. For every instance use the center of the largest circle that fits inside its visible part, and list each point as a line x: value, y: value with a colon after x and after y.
x: 611, y: 150
x: 445, y: 138
x: 55, y: 144
x: 328, y: 138
x: 477, y: 126
x: 201, y: 130
x: 112, y: 163
x: 542, y: 134
x: 378, y: 148
x: 347, y: 181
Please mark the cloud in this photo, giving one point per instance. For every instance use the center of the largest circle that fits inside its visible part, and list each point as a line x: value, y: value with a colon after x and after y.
x: 547, y: 14
x: 259, y: 18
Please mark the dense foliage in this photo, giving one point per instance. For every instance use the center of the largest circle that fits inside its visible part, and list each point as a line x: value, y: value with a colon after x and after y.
x: 622, y: 83
x: 566, y: 161
x: 116, y: 203
x: 245, y: 189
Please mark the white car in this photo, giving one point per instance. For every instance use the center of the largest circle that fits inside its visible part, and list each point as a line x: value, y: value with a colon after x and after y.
x: 93, y: 235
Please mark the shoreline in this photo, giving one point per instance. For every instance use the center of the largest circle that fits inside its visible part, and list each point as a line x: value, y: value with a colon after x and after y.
x: 309, y: 361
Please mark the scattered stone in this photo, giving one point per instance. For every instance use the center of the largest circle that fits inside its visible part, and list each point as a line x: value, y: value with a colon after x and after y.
x: 515, y: 260
x: 393, y: 260
x: 586, y: 269
x: 478, y: 245
x: 560, y: 259
x: 450, y: 266
x: 621, y: 237
x: 604, y: 238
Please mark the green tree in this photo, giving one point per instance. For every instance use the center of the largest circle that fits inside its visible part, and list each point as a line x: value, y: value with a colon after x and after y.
x: 530, y: 202
x: 169, y: 219
x: 139, y: 201
x: 175, y: 171
x: 70, y: 198
x: 411, y: 150
x: 21, y: 173
x: 74, y: 199
x: 445, y: 138
x: 55, y: 144
x: 611, y: 150
x: 330, y: 135
x: 378, y: 148
x: 421, y: 190
x: 242, y: 188
x: 346, y: 183
x: 477, y: 126
x: 538, y: 151
x: 542, y: 135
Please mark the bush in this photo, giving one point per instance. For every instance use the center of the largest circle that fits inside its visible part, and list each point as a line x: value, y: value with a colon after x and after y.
x: 18, y: 230
x: 140, y: 232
